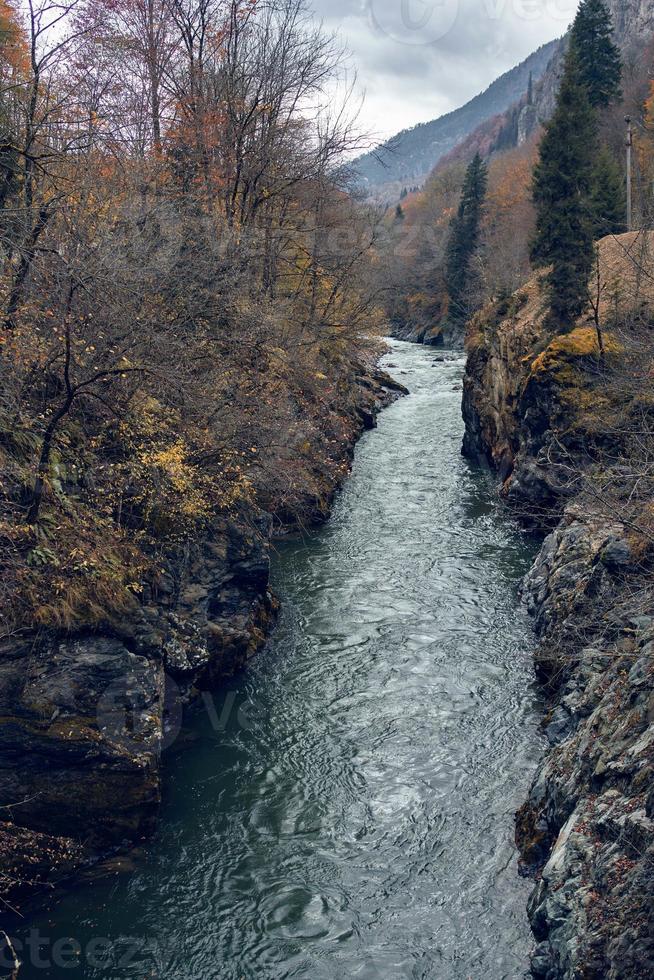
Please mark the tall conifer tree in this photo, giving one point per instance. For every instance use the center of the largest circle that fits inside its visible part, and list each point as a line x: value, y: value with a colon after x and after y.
x: 600, y: 65
x: 562, y: 187
x: 464, y: 238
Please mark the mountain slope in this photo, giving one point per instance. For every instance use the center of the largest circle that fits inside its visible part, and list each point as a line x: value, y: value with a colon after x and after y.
x: 633, y: 22
x: 408, y: 157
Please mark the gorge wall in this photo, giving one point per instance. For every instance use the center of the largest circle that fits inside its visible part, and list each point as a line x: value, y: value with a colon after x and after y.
x: 550, y: 416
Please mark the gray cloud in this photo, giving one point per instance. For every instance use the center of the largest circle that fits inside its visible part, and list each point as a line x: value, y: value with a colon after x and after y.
x: 417, y: 59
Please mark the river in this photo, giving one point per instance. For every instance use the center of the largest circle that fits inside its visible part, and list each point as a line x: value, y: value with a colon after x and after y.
x: 345, y: 808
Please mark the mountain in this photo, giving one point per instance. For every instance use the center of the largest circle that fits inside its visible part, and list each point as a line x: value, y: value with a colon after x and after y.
x: 633, y: 27
x: 407, y: 158
x: 633, y: 22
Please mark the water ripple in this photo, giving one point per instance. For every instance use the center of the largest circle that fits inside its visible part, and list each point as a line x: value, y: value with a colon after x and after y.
x: 360, y: 823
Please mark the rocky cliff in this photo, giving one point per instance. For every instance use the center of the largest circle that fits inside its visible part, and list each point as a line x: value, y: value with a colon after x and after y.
x: 552, y: 416
x: 86, y: 712
x: 533, y: 399
x: 587, y: 829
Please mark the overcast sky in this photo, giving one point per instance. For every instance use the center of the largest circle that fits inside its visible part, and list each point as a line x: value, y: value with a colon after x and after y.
x: 417, y: 59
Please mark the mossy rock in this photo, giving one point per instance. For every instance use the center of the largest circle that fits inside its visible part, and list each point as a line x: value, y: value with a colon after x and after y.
x: 568, y: 353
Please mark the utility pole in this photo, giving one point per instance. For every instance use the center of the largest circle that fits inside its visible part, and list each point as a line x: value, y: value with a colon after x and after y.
x: 629, y: 144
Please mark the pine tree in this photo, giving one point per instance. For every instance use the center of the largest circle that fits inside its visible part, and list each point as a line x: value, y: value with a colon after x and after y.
x: 464, y: 237
x: 608, y: 198
x: 562, y: 187
x: 600, y: 64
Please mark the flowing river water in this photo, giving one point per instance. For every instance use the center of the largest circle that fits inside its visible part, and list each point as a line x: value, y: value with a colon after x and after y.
x: 345, y: 808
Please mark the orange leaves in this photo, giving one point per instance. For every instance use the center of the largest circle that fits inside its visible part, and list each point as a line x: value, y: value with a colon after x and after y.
x: 510, y: 179
x: 644, y: 141
x: 649, y: 109
x: 14, y: 53
x: 198, y: 137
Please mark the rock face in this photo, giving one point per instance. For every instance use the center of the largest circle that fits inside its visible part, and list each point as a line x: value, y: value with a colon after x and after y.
x: 590, y: 814
x: 633, y: 20
x: 633, y: 23
x: 441, y: 335
x: 527, y: 402
x: 86, y: 715
x: 512, y: 408
x: 65, y: 744
x: 587, y: 830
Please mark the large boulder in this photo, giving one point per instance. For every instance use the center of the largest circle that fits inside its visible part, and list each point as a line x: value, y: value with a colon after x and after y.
x: 80, y: 742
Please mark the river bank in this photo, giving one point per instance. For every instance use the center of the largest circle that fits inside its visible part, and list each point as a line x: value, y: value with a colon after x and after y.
x: 553, y: 425
x: 87, y: 711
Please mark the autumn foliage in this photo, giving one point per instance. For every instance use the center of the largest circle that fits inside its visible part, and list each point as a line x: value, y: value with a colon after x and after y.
x: 185, y: 290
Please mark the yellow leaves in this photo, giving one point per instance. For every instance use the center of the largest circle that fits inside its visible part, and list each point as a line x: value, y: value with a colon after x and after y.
x: 170, y: 459
x: 174, y: 486
x: 172, y: 462
x: 145, y: 421
x: 237, y: 491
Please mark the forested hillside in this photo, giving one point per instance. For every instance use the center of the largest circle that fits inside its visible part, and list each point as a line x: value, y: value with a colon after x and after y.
x: 418, y: 231
x: 175, y: 290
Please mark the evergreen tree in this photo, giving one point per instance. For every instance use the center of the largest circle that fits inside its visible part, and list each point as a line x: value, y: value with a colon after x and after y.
x: 562, y: 187
x: 608, y: 198
x: 600, y: 64
x: 464, y: 237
